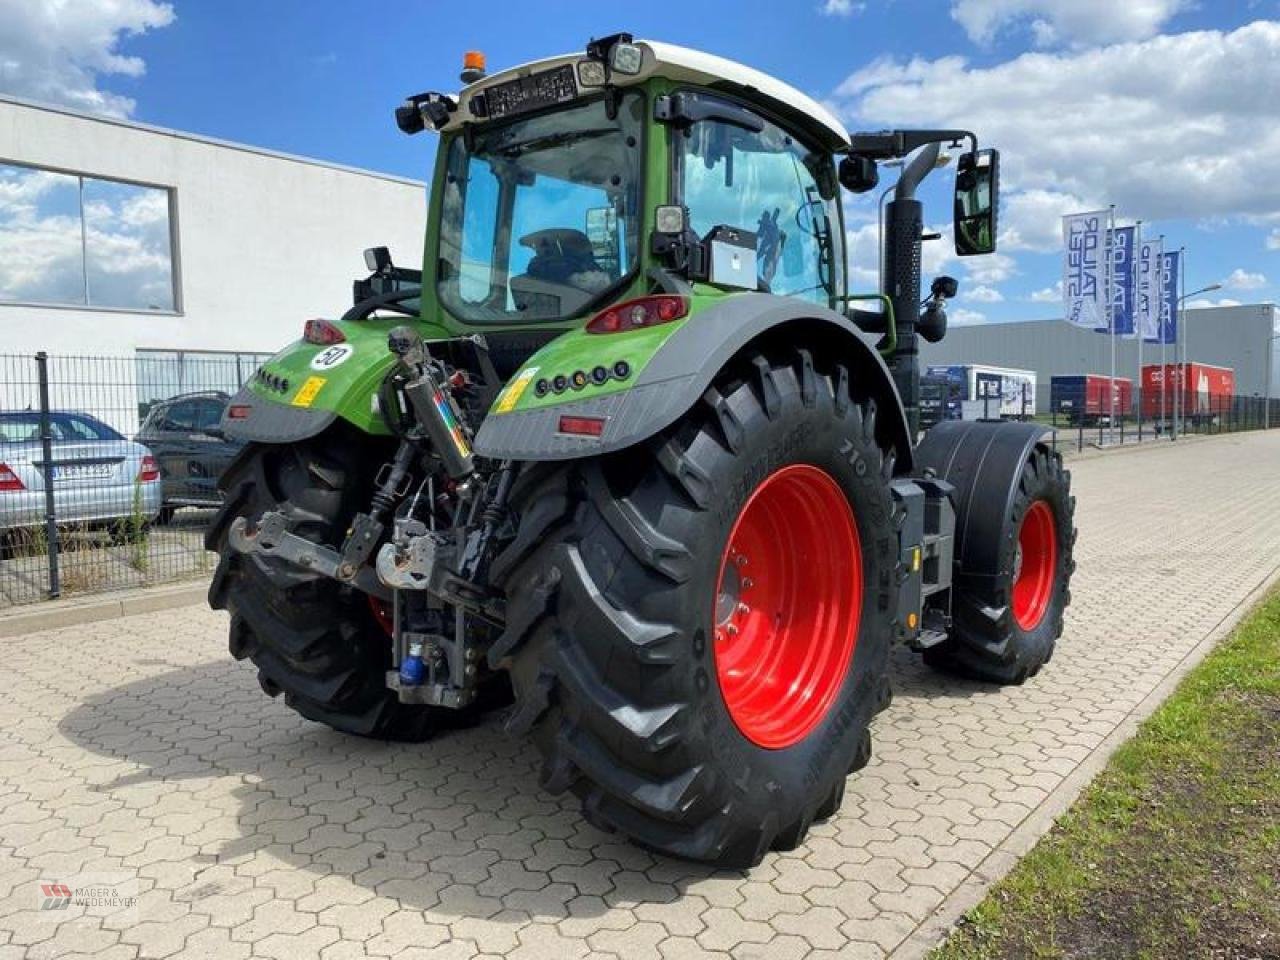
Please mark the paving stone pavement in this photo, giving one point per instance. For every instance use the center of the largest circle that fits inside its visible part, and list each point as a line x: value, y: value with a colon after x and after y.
x: 137, y: 748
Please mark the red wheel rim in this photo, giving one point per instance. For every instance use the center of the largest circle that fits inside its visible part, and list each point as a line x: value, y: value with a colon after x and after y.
x: 788, y: 601
x: 383, y: 614
x: 1035, y: 566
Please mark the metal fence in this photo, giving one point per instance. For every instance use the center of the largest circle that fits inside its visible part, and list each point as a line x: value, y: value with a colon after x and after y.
x: 108, y: 468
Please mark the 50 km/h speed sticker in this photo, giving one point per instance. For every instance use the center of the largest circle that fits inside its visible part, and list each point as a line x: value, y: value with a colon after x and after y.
x: 331, y: 357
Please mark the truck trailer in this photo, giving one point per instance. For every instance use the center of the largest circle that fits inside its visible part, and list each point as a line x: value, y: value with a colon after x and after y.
x: 1083, y: 398
x: 1199, y: 392
x: 989, y: 393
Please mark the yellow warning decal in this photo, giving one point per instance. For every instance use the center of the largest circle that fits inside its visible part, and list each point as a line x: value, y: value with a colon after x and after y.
x: 306, y: 394
x: 515, y: 389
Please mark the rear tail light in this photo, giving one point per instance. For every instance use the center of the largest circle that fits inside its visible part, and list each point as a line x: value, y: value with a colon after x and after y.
x: 323, y: 332
x: 641, y: 312
x: 582, y: 426
x: 239, y: 411
x: 150, y: 470
x: 9, y: 481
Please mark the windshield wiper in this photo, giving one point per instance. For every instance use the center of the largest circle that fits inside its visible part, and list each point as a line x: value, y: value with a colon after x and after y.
x: 553, y: 140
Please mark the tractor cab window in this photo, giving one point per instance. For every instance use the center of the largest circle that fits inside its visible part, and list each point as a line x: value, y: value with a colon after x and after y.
x: 540, y: 217
x: 767, y: 182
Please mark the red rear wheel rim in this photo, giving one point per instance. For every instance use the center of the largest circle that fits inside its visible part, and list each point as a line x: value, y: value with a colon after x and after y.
x: 788, y: 601
x: 1035, y: 567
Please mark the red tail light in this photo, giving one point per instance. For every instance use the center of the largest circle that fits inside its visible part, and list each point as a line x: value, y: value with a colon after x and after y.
x: 323, y: 332
x: 9, y: 481
x: 150, y: 470
x: 641, y: 312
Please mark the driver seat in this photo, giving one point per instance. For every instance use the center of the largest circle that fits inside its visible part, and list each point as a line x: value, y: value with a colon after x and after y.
x: 563, y: 264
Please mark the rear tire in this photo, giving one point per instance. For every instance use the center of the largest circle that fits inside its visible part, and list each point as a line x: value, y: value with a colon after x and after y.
x: 612, y: 585
x: 1005, y: 630
x: 314, y: 640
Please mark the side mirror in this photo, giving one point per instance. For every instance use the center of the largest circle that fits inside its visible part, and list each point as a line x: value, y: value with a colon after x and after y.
x: 377, y: 259
x: 976, y: 202
x: 858, y: 174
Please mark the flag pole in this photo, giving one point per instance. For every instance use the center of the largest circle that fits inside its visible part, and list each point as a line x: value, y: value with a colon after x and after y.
x: 1180, y: 398
x: 1160, y: 329
x: 1139, y: 318
x: 1111, y: 321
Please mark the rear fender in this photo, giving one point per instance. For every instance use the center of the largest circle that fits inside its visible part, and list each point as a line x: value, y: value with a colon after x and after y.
x: 306, y: 387
x: 983, y: 461
x: 681, y: 369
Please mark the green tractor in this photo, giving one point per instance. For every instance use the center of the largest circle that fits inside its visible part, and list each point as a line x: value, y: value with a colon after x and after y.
x: 626, y: 453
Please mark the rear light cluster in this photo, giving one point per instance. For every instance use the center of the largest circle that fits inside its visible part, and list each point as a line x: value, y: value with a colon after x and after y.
x: 149, y: 471
x: 9, y: 481
x: 641, y: 312
x: 323, y: 332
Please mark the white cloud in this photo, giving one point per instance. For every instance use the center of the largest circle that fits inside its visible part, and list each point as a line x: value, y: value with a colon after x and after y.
x: 1204, y: 303
x: 960, y: 317
x: 1032, y: 220
x: 1273, y: 239
x: 56, y: 50
x: 1241, y: 279
x: 1073, y: 21
x: 991, y: 268
x: 983, y: 294
x: 1177, y: 126
x: 1051, y: 294
x: 841, y: 8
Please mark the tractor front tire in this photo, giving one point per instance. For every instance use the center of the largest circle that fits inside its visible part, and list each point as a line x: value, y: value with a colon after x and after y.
x: 698, y: 628
x: 312, y: 639
x: 1005, y: 628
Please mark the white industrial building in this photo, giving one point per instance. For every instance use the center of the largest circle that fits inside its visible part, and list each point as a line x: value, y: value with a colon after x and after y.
x: 117, y: 236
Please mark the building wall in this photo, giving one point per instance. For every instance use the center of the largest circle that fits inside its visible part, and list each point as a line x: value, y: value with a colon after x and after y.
x: 264, y: 241
x: 1237, y: 337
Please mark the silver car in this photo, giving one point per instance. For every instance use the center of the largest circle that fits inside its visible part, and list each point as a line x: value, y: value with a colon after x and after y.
x: 99, y: 476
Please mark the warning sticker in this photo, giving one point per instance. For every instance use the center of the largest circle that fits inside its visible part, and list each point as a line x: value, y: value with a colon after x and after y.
x: 515, y: 389
x: 306, y: 394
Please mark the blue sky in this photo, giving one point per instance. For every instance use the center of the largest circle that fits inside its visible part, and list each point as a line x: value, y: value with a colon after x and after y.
x: 1168, y: 108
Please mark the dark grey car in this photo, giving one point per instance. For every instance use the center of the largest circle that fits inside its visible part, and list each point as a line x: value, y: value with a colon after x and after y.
x: 184, y: 434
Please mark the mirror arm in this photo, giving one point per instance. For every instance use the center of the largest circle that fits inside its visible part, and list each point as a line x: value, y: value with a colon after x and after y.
x: 890, y: 144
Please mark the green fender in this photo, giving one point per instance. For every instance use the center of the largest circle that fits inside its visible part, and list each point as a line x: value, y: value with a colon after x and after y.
x: 306, y: 387
x: 684, y: 361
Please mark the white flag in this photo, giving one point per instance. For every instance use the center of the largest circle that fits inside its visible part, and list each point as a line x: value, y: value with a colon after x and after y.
x: 1149, y: 286
x: 1084, y: 282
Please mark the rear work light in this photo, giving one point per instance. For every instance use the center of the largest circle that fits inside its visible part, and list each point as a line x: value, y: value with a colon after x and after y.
x: 323, y: 332
x: 9, y: 481
x: 641, y: 312
x: 149, y: 471
x: 582, y: 426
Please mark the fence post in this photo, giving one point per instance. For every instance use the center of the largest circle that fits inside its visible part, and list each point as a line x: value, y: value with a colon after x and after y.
x: 46, y: 447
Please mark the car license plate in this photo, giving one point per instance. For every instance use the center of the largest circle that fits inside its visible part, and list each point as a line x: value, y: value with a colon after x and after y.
x: 82, y: 471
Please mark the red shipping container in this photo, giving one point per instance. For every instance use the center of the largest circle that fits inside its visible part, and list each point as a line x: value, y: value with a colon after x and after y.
x: 1206, y: 391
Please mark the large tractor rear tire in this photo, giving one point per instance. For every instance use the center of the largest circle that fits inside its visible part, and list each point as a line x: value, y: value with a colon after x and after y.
x: 321, y: 644
x: 1005, y: 627
x: 698, y: 628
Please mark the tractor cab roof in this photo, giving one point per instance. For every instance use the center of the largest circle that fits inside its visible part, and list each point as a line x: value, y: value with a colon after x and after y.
x: 675, y: 63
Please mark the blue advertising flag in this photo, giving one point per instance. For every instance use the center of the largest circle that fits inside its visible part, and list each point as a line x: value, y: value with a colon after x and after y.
x: 1169, y: 275
x: 1123, y: 295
